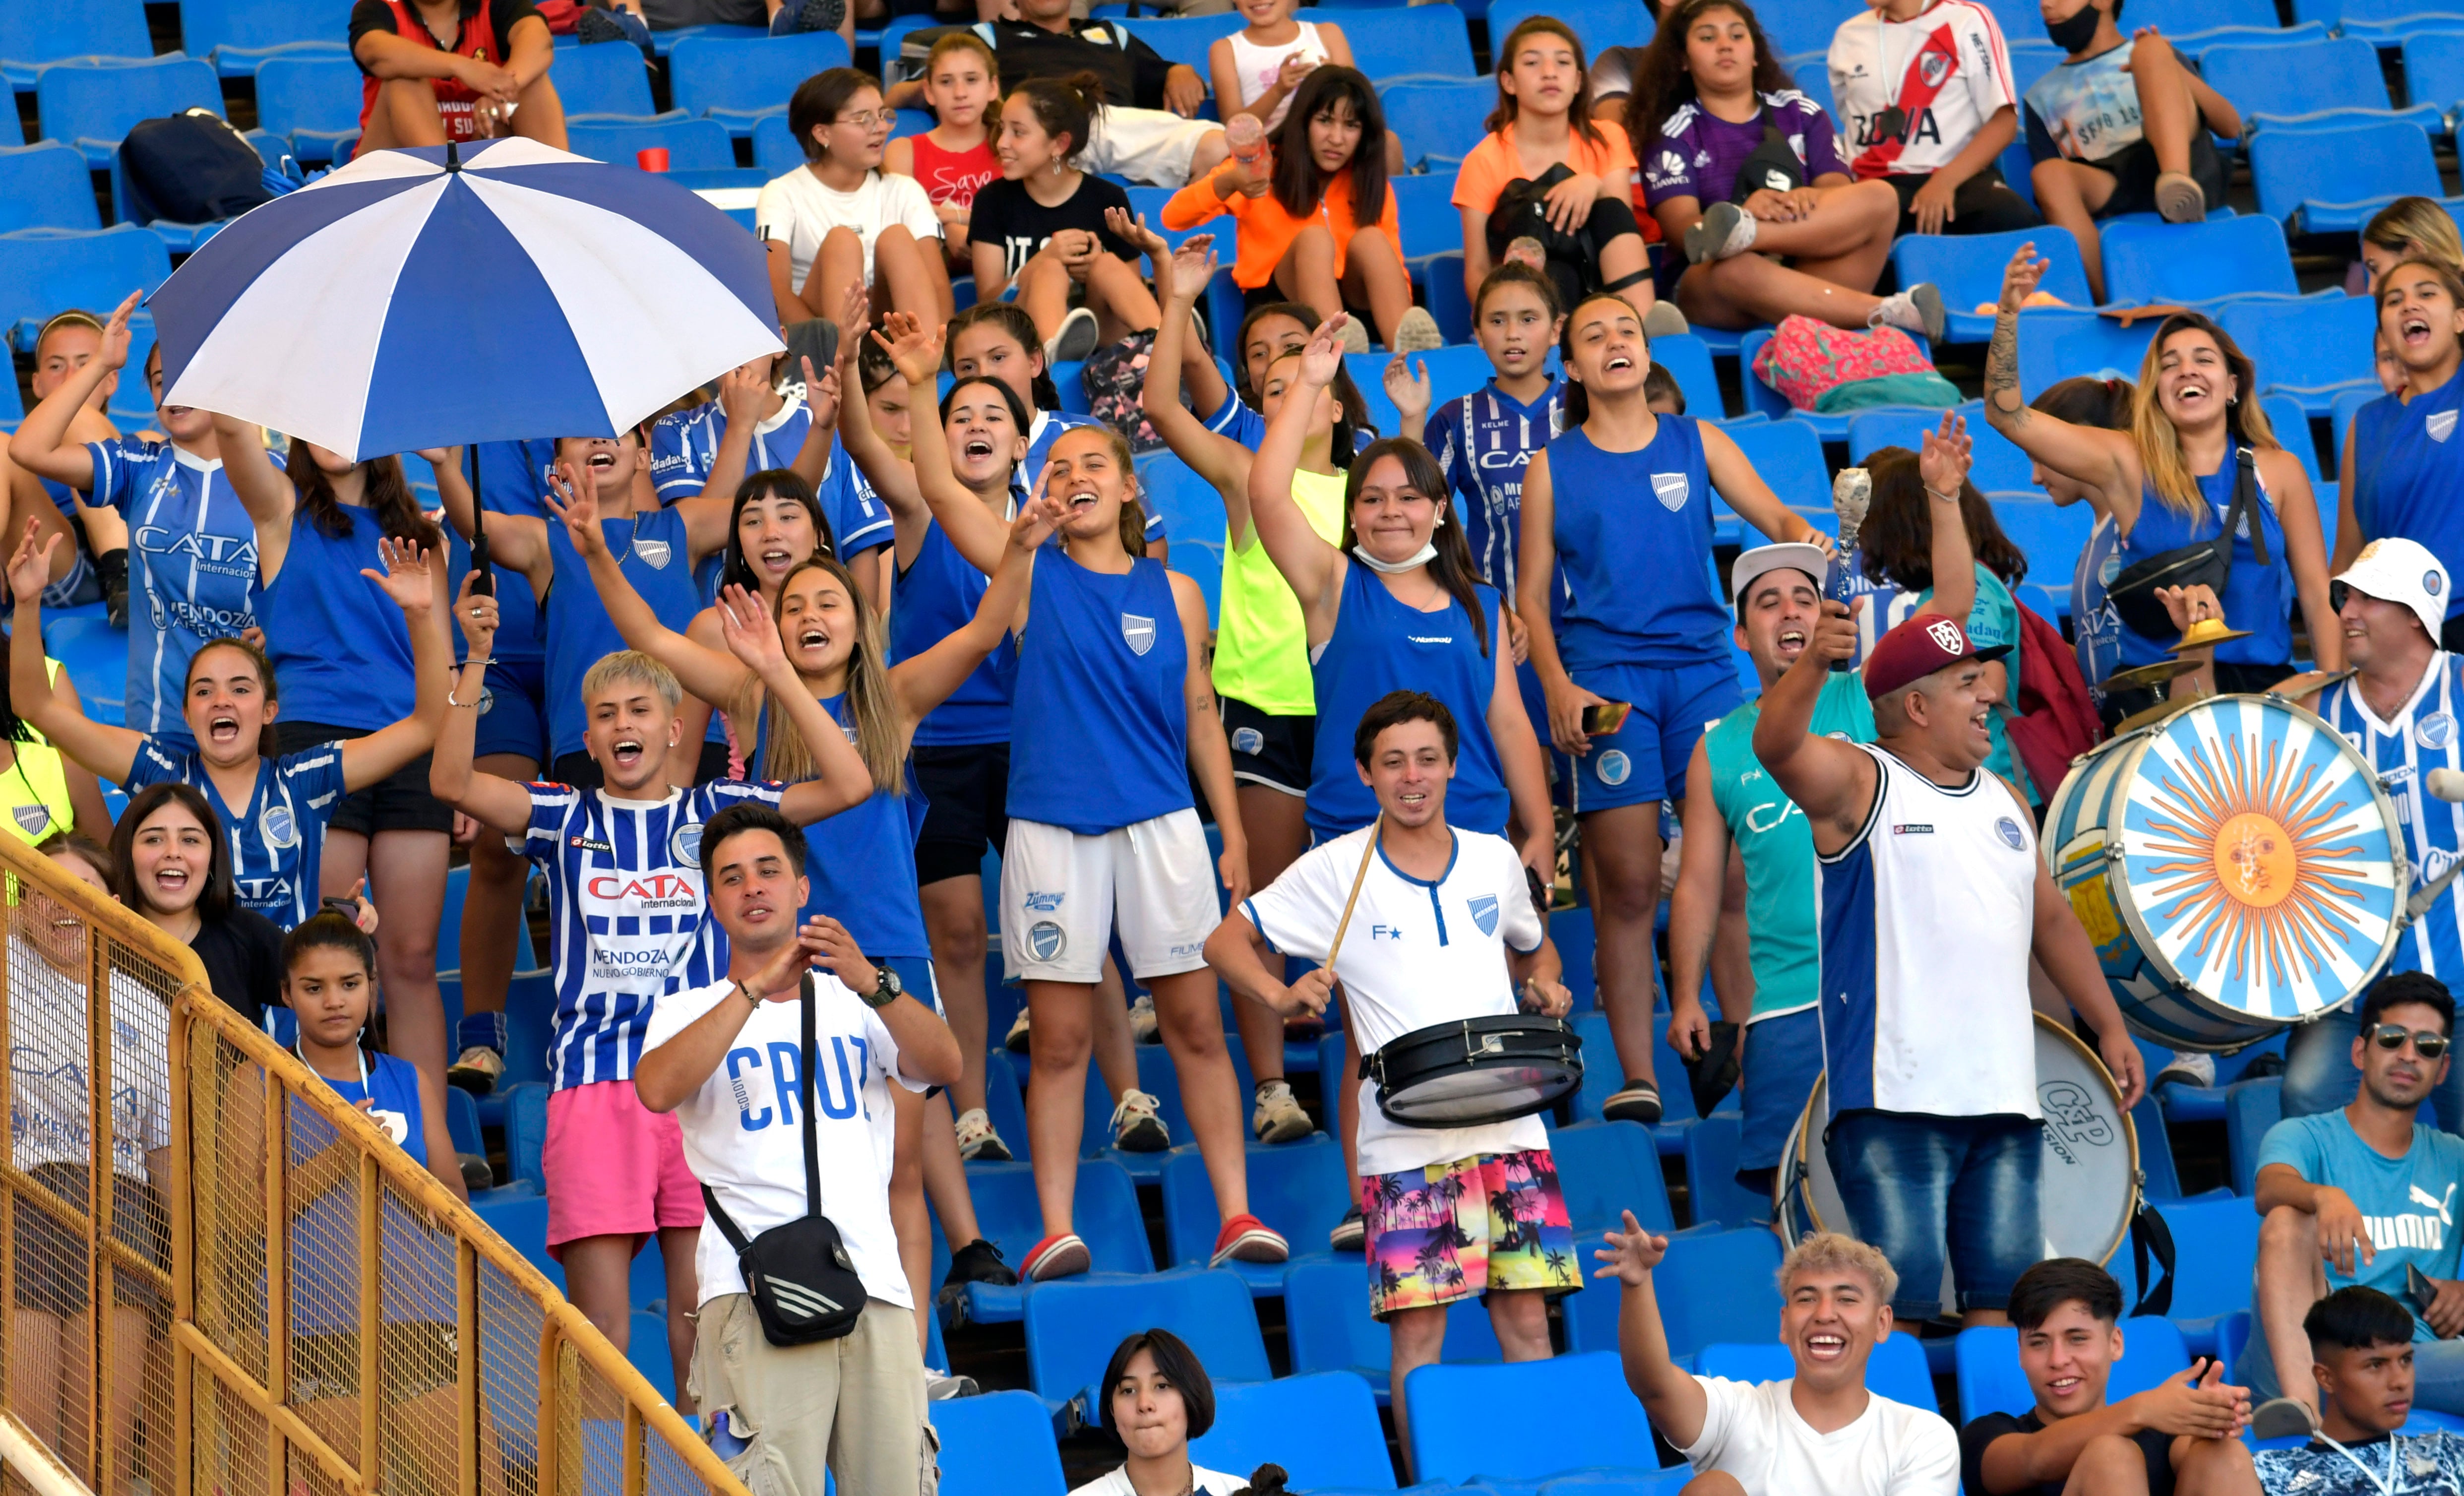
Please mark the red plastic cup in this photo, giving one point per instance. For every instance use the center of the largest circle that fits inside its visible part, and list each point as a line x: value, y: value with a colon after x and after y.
x: 651, y: 158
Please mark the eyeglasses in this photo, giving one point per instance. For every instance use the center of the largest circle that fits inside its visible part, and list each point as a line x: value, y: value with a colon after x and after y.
x: 862, y: 121
x: 2427, y: 1044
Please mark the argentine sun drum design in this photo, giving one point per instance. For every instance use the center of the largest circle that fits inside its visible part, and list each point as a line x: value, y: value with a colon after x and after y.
x: 2235, y: 867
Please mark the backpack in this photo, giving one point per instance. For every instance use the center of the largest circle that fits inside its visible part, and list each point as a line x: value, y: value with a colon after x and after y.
x: 191, y: 168
x: 2056, y: 719
x: 1816, y: 366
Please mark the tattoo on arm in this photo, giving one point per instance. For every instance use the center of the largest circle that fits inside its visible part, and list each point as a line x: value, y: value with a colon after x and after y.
x: 2002, y: 372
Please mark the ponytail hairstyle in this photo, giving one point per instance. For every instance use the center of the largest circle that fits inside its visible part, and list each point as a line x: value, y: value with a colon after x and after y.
x: 1897, y: 538
x: 2084, y: 400
x: 330, y: 930
x: 269, y: 742
x: 386, y: 490
x: 769, y: 483
x: 1579, y: 113
x: 818, y: 101
x: 1577, y: 405
x: 1010, y: 319
x: 1452, y: 564
x: 870, y: 703
x: 1661, y: 84
x: 1298, y: 185
x: 1065, y: 106
x: 2160, y: 446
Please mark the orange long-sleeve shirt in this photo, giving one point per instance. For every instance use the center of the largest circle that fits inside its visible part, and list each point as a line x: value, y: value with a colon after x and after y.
x: 1268, y: 230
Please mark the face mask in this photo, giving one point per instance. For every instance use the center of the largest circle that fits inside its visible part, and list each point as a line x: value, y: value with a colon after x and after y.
x: 1427, y: 553
x: 2074, y: 31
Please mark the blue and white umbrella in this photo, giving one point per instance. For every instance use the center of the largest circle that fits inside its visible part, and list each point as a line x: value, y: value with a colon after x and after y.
x: 432, y: 297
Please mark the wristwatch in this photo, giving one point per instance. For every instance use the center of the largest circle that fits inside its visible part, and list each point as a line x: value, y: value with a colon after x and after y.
x: 885, y: 993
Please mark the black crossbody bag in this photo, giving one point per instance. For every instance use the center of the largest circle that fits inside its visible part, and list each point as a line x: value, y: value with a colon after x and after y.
x: 2133, y: 592
x: 802, y: 1283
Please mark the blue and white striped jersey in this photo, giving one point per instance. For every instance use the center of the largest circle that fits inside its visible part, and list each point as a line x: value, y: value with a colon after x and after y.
x: 629, y: 921
x: 1483, y: 441
x: 278, y: 838
x: 2423, y: 735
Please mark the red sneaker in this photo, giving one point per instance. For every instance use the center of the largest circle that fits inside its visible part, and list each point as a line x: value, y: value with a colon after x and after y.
x: 1061, y: 1256
x: 1245, y: 1239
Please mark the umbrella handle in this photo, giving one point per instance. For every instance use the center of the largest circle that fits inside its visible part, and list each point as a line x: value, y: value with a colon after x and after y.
x: 483, y: 579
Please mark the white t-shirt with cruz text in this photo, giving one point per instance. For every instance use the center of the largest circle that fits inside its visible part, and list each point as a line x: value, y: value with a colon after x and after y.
x: 1416, y: 953
x: 798, y: 209
x: 744, y: 1136
x: 1752, y: 1431
x: 1948, y: 71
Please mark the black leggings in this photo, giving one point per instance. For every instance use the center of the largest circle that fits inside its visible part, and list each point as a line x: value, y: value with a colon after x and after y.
x: 1612, y: 218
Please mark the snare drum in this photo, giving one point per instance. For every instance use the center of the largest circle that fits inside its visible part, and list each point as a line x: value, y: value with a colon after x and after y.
x: 1476, y: 1070
x: 2236, y: 865
x: 2088, y: 1185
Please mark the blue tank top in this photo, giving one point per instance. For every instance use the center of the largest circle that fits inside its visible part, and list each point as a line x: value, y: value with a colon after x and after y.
x: 2408, y: 474
x: 650, y: 550
x: 2256, y: 598
x: 325, y: 1261
x: 863, y: 864
x: 930, y: 601
x: 1634, y: 538
x: 341, y: 649
x: 1102, y: 674
x: 1379, y: 645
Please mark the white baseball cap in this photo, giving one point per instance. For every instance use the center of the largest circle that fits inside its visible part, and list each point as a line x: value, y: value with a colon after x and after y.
x: 1787, y: 556
x: 2398, y: 570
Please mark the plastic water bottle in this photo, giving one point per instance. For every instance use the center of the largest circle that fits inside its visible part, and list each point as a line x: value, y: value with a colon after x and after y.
x: 1247, y: 138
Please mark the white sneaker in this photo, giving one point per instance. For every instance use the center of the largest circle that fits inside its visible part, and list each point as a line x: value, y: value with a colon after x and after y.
x: 1137, y: 1125
x: 1355, y: 337
x: 1015, y: 1042
x: 1916, y: 310
x: 978, y: 1141
x: 940, y: 1386
x: 1075, y: 339
x: 1725, y: 230
x: 1664, y: 320
x: 2186, y: 1069
x: 1279, y: 1117
x: 1144, y: 1026
x: 1417, y: 331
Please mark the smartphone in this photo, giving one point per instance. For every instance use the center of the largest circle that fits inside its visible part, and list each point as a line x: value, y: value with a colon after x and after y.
x: 1605, y: 718
x: 2418, y: 1287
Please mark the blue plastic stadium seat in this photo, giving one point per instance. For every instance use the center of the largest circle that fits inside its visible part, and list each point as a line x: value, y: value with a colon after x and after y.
x: 2307, y: 84
x: 33, y: 33
x: 1896, y: 1370
x: 1147, y: 202
x: 1426, y: 217
x: 1300, y: 1189
x: 1606, y: 1168
x: 1598, y: 24
x: 44, y: 270
x: 599, y: 79
x: 1688, y: 359
x: 91, y: 103
x: 691, y: 144
x: 1185, y: 39
x: 2056, y: 344
x: 2433, y: 65
x: 1712, y: 1192
x: 2306, y: 347
x: 1966, y: 269
x: 2195, y: 19
x: 1455, y: 1425
x: 2364, y: 16
x: 239, y: 34
x: 747, y: 77
x: 1424, y: 39
x: 1321, y: 1429
x: 1713, y: 1286
x: 46, y: 185
x: 1787, y: 454
x: 775, y: 151
x: 2251, y: 1109
x: 1074, y: 1324
x: 521, y: 1219
x: 310, y: 101
x: 2340, y: 424
x: 1159, y: 1077
x: 999, y: 1443
x: 525, y: 1131
x: 1617, y: 1482
x: 2151, y: 262
x: 2332, y: 181
x: 2292, y: 425
x: 1325, y: 1314
x: 1796, y: 28
x: 1991, y: 1381
x: 2049, y: 536
x: 1438, y: 116
x: 1105, y: 1214
x: 1453, y: 371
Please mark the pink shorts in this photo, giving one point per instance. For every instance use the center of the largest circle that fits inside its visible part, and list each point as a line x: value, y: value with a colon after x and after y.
x: 614, y: 1167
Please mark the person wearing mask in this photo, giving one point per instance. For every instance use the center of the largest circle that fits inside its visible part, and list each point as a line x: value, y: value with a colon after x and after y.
x: 2400, y: 474
x: 1925, y: 91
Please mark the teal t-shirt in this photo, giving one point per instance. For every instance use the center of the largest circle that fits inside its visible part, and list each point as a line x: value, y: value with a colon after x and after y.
x: 1781, y: 916
x: 2408, y: 1203
x: 1992, y: 622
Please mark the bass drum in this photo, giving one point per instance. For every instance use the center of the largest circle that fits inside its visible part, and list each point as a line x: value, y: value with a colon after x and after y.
x: 2088, y: 1189
x: 2236, y: 865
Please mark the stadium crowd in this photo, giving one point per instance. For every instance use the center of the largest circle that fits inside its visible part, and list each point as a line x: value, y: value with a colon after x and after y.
x: 758, y: 685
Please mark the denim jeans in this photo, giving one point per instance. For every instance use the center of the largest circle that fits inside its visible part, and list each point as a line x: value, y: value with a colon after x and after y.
x: 2437, y: 1373
x: 2319, y: 1074
x: 1913, y: 1184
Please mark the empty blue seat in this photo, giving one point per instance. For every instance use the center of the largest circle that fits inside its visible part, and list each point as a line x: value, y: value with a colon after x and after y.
x: 2292, y: 426
x: 1788, y: 457
x: 599, y: 79
x: 239, y: 34
x: 2433, y: 66
x: 1453, y: 371
x: 1455, y: 1425
x: 999, y: 1443
x: 745, y: 77
x: 691, y: 144
x: 1104, y: 1211
x: 2195, y: 262
x: 1074, y: 1325
x: 33, y: 33
x: 1326, y: 1316
x: 2307, y: 345
x: 1607, y: 1168
x: 43, y: 271
x: 1439, y: 117
x: 1797, y: 29
x: 1711, y: 1188
x: 2251, y: 1109
x: 2367, y: 16
x: 775, y: 151
x: 1712, y: 1285
x: 1185, y: 39
x: 1424, y: 39
x: 310, y: 101
x: 46, y: 185
x: 1895, y: 1370
x: 1426, y: 217
x: 525, y: 1131
x: 1990, y: 1379
x: 2305, y: 84
x: 1598, y: 24
x: 1966, y: 269
x: 1321, y: 1429
x: 2056, y: 344
x: 91, y: 103
x: 2332, y: 181
x: 1688, y: 359
x: 2183, y: 19
x: 1300, y: 1189
x: 2347, y: 404
x: 1871, y: 430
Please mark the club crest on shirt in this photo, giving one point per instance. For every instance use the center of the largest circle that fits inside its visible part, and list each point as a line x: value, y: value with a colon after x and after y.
x: 2435, y: 731
x: 1615, y: 767
x: 684, y: 842
x: 1935, y: 66
x: 281, y: 828
x: 396, y: 1125
x: 1138, y: 631
x: 2009, y: 830
x: 1247, y: 740
x: 2441, y: 425
x: 32, y: 819
x: 1046, y: 940
x: 654, y: 553
x: 1671, y: 490
x: 1484, y: 913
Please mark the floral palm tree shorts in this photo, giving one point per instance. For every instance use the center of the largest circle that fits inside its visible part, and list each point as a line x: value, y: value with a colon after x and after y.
x: 1454, y: 1230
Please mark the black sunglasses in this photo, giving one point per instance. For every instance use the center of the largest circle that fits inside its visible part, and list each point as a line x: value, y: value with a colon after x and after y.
x: 2427, y: 1044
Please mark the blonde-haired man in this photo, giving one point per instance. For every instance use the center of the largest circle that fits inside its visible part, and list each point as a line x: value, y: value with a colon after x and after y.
x: 1819, y: 1433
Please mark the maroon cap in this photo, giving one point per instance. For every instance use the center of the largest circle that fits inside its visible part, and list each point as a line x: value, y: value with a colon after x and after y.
x: 1917, y: 649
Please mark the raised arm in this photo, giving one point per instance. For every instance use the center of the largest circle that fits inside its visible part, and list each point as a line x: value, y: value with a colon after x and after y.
x: 978, y: 537
x: 1734, y: 474
x: 1313, y: 567
x: 1942, y: 467
x: 1670, y: 1394
x: 415, y: 581
x: 108, y: 751
x: 742, y: 391
x: 90, y: 816
x: 41, y: 445
x: 1210, y: 756
x: 709, y: 675
x: 753, y: 637
x: 1831, y: 781
x: 266, y: 491
x: 2086, y: 454
x: 1180, y: 280
x: 500, y: 804
x: 925, y: 681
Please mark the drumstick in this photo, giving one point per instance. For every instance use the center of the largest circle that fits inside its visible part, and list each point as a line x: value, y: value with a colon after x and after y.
x: 1358, y: 879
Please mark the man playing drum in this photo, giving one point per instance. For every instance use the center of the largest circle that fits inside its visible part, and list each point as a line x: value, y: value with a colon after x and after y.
x: 1441, y: 927
x: 1932, y: 900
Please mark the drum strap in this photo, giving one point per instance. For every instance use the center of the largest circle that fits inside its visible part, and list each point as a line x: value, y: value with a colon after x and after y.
x: 2150, y: 1236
